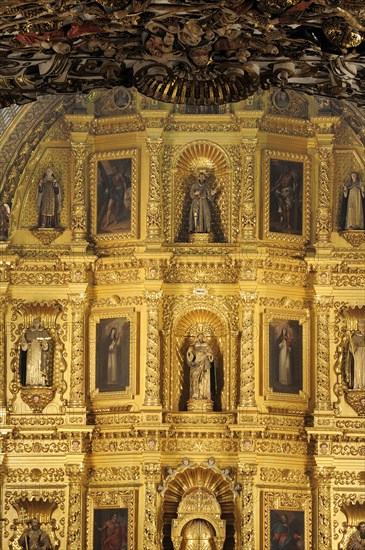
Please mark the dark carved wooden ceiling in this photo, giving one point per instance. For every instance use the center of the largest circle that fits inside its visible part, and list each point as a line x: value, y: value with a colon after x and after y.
x: 194, y: 52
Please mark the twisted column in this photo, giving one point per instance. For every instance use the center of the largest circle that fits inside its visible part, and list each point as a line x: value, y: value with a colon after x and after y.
x: 3, y: 304
x: 322, y: 477
x: 322, y: 306
x: 77, y: 377
x: 152, y: 385
x: 247, y: 474
x: 249, y: 148
x: 152, y: 472
x: 154, y: 205
x: 74, y: 529
x: 78, y: 214
x: 324, y: 222
x: 247, y: 351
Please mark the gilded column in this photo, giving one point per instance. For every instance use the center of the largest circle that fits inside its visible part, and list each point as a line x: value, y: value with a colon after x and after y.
x: 247, y: 474
x: 324, y: 222
x: 74, y: 473
x: 249, y: 148
x: 247, y: 351
x: 3, y: 304
x: 154, y: 205
x: 78, y: 214
x: 152, y: 472
x: 152, y: 382
x: 323, y: 305
x: 77, y: 377
x: 322, y: 477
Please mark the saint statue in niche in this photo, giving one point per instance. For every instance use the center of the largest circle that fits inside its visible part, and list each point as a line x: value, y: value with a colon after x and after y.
x: 353, y: 204
x: 48, y: 201
x: 201, y: 194
x: 35, y: 358
x: 357, y: 357
x: 200, y: 360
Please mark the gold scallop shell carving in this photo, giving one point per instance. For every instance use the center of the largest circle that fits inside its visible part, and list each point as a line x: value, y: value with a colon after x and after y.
x: 200, y: 321
x: 202, y: 156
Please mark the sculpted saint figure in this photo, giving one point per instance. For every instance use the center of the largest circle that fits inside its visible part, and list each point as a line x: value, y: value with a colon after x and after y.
x: 353, y: 215
x: 200, y: 359
x: 357, y: 540
x: 357, y: 348
x: 201, y: 195
x: 34, y: 538
x: 48, y: 200
x: 36, y: 342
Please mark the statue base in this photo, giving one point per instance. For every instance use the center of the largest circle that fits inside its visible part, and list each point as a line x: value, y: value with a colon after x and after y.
x: 201, y: 405
x: 200, y: 238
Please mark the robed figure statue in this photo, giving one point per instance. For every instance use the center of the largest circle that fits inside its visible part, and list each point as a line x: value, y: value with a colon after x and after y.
x: 36, y: 353
x: 200, y: 360
x: 353, y: 204
x: 48, y: 200
x: 201, y: 194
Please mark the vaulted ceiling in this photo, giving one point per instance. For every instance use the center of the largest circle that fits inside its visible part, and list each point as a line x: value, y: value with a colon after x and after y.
x: 188, y: 51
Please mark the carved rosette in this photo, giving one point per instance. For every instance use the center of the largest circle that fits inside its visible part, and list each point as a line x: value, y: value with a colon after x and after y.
x: 322, y: 477
x: 77, y: 388
x: 249, y: 148
x: 3, y: 303
x: 323, y: 306
x: 152, y: 473
x: 324, y: 222
x: 152, y: 383
x: 246, y: 473
x: 74, y: 531
x: 78, y: 217
x: 154, y: 206
x: 247, y: 351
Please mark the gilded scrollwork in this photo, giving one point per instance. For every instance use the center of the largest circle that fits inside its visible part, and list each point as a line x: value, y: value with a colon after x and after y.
x: 323, y: 477
x: 247, y: 350
x: 111, y: 473
x: 77, y: 389
x: 246, y: 475
x: 74, y: 473
x: 152, y: 474
x: 78, y: 215
x: 152, y: 381
x: 154, y: 205
x: 248, y: 216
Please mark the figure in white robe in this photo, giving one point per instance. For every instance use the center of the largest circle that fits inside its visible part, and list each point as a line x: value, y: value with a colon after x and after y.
x: 357, y: 348
x: 113, y: 344
x: 354, y: 195
x: 200, y: 360
x: 285, y: 350
x: 36, y: 343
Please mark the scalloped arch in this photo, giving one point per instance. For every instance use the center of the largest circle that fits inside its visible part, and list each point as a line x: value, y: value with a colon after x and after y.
x: 202, y: 155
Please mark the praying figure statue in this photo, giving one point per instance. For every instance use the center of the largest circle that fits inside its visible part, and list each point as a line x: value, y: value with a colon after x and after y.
x: 37, y: 348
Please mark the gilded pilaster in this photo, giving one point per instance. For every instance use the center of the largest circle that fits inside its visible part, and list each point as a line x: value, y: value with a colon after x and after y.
x: 74, y: 530
x: 324, y: 223
x: 3, y: 303
x: 152, y: 472
x: 322, y: 306
x: 78, y: 214
x: 77, y: 387
x: 152, y: 380
x: 247, y: 351
x: 246, y: 473
x: 322, y: 477
x: 248, y: 223
x: 154, y: 206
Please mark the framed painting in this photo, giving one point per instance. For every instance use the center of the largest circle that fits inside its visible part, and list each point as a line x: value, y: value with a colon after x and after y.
x: 113, y: 195
x: 286, y: 208
x: 113, y: 353
x: 287, y: 521
x: 111, y: 518
x: 285, y: 354
x: 110, y: 529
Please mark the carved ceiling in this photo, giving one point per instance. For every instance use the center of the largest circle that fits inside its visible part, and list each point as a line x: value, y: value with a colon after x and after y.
x: 182, y: 51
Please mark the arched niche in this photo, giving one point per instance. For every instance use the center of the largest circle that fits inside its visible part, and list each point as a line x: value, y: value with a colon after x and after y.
x: 208, y: 320
x: 195, y: 157
x: 200, y: 493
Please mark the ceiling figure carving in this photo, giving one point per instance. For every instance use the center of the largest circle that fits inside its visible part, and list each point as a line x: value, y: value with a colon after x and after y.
x: 189, y: 51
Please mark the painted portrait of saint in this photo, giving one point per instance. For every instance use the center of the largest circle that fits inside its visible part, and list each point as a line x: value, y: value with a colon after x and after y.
x: 287, y: 530
x: 111, y: 529
x: 285, y: 356
x: 286, y: 197
x: 112, y: 354
x: 114, y: 195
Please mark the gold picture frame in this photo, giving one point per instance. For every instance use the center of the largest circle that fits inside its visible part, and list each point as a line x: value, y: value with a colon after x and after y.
x: 286, y: 356
x: 113, y: 363
x: 113, y: 192
x: 296, y: 507
x: 286, y: 200
x: 105, y: 502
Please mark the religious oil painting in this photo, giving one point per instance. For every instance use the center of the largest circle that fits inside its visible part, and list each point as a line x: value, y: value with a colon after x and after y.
x: 287, y: 530
x: 286, y: 214
x: 285, y: 356
x: 114, y: 195
x: 113, y: 354
x: 110, y: 529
